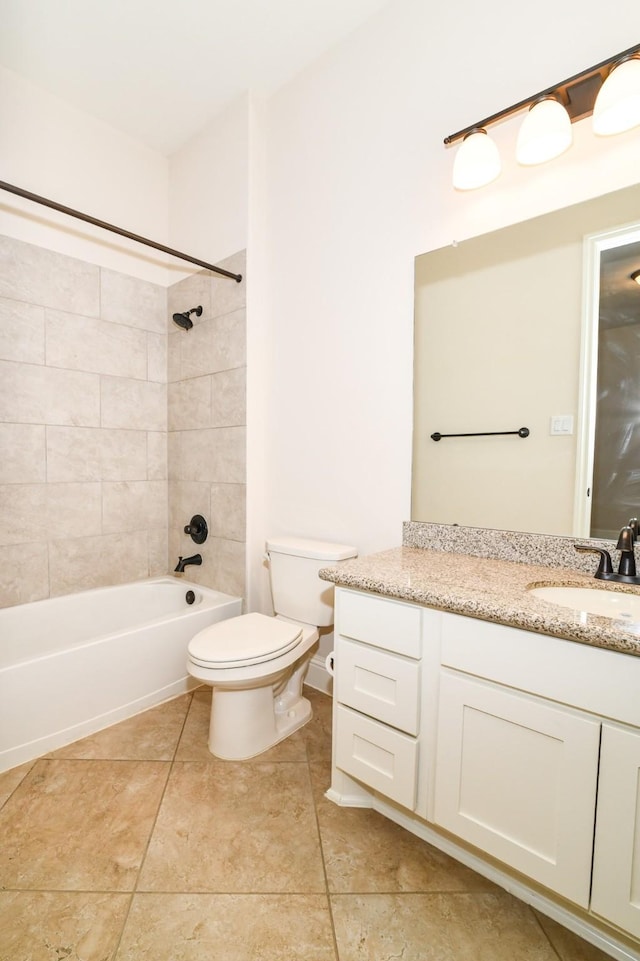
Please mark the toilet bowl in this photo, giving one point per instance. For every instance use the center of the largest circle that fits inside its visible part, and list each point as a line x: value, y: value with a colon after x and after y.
x: 256, y: 668
x: 256, y: 664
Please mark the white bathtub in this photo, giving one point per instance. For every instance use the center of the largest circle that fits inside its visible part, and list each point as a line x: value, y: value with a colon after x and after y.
x: 72, y: 665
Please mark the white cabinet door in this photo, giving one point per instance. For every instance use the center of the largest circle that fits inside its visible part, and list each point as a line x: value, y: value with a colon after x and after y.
x: 516, y: 777
x: 616, y: 865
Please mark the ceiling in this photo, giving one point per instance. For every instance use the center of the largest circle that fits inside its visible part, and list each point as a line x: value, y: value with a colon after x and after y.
x: 160, y: 70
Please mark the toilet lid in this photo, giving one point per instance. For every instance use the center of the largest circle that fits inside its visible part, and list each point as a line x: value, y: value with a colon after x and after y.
x: 244, y: 640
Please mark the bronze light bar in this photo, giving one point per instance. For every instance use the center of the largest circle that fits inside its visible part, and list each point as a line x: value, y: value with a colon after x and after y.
x: 577, y: 94
x: 114, y: 230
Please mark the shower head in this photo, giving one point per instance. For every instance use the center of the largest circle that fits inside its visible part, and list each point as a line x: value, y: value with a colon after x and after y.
x: 183, y: 320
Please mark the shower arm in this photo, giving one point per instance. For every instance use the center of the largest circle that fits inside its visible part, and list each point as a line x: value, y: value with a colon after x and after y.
x: 10, y: 188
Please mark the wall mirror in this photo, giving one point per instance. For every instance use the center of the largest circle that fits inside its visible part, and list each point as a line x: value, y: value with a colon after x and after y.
x: 512, y: 330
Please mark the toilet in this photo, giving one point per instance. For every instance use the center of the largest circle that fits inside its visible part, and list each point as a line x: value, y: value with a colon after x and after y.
x: 256, y: 664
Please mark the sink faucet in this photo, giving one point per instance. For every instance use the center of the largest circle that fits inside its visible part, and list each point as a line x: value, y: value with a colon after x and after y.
x: 184, y: 561
x: 627, y: 566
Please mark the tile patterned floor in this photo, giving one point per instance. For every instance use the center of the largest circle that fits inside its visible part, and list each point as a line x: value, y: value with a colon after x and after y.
x: 136, y: 844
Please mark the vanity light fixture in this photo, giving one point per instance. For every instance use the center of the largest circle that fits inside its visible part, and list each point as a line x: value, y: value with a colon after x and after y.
x: 610, y: 91
x: 635, y: 276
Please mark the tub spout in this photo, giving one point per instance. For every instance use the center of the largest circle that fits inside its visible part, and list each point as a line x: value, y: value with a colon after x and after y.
x: 185, y: 561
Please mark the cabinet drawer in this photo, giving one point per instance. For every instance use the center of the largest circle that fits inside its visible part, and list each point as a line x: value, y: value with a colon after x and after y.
x: 377, y: 755
x: 391, y: 625
x: 382, y: 685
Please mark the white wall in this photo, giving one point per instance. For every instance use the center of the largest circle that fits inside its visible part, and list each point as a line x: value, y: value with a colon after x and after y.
x: 208, y: 188
x: 358, y: 184
x: 52, y: 149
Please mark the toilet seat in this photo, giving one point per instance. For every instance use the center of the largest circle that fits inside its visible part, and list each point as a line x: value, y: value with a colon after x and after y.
x: 242, y: 641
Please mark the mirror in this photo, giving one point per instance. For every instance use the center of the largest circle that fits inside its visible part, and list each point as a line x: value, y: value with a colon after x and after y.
x: 499, y: 346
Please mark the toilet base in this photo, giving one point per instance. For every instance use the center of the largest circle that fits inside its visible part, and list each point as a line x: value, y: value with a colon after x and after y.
x: 245, y: 723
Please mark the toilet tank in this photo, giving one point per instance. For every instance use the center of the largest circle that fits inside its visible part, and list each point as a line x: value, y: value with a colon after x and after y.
x: 297, y: 590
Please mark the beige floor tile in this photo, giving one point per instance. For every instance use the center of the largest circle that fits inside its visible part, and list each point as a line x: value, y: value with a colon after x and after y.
x: 203, y: 927
x: 366, y: 852
x: 10, y: 780
x: 150, y: 736
x: 80, y: 825
x: 568, y: 945
x: 317, y: 733
x: 437, y: 927
x: 235, y: 828
x: 45, y: 926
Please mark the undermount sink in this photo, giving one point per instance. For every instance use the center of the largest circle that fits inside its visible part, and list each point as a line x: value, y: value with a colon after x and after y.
x: 616, y: 604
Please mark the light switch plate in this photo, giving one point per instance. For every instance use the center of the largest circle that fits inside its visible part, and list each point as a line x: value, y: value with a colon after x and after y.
x: 561, y: 424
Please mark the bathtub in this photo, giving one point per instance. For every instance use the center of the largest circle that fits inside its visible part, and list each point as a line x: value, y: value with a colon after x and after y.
x: 72, y: 665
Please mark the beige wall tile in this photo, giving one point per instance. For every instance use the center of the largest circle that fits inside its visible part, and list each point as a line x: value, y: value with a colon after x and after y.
x: 174, y: 454
x: 174, y: 354
x: 229, y: 398
x: 223, y: 566
x: 88, y: 453
x: 227, y: 294
x: 158, y: 552
x: 187, y: 498
x: 22, y: 454
x: 134, y: 505
x: 46, y: 395
x: 133, y: 302
x: 23, y: 513
x: 157, y: 357
x: 77, y: 564
x: 35, y: 275
x: 134, y: 404
x: 73, y: 510
x: 216, y: 455
x: 87, y: 343
x: 156, y: 455
x: 123, y: 454
x: 228, y: 511
x: 24, y: 573
x: 74, y: 454
x: 21, y: 332
x: 189, y: 404
x: 214, y: 345
x: 193, y: 291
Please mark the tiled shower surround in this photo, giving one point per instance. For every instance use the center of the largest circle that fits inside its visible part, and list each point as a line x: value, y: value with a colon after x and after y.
x: 207, y: 425
x: 84, y: 415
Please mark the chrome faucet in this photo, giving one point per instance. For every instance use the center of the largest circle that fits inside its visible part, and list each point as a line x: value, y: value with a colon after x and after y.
x: 184, y: 561
x: 627, y: 566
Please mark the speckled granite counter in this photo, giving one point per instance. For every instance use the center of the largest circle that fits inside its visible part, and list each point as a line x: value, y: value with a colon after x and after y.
x: 487, y: 588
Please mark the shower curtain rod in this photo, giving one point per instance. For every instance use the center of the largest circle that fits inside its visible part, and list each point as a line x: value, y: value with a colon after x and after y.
x: 114, y: 230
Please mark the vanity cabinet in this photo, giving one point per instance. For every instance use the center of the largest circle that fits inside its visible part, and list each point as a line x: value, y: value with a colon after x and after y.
x: 523, y: 746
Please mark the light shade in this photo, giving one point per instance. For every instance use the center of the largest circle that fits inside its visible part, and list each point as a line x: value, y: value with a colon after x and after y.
x: 477, y: 161
x: 545, y: 133
x: 635, y: 276
x: 617, y: 106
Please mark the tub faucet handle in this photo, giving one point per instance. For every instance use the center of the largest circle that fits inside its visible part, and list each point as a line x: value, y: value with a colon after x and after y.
x: 197, y: 529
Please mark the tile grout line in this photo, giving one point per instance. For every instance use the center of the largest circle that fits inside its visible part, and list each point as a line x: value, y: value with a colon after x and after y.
x: 151, y: 832
x: 324, y: 866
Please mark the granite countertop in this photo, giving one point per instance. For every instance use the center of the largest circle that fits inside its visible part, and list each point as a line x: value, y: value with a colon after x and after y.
x: 487, y: 588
